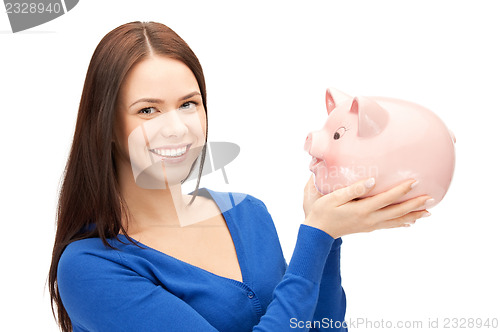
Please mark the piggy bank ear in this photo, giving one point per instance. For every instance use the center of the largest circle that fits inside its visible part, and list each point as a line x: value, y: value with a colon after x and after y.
x: 334, y: 98
x: 372, y: 119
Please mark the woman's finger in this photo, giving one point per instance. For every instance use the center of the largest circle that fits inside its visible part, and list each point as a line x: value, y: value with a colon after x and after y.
x: 407, y: 219
x: 390, y: 196
x: 401, y: 209
x: 310, y: 190
x: 356, y: 190
x: 311, y: 194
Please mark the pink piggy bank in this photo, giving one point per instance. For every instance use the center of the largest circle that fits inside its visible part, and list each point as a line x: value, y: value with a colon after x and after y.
x: 389, y: 139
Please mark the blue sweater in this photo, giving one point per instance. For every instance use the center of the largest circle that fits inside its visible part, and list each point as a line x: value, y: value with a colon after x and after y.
x: 142, y: 289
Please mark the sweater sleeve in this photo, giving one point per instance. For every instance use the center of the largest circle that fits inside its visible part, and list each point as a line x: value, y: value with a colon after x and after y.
x: 310, y: 296
x: 297, y: 296
x: 101, y: 294
x: 331, y: 307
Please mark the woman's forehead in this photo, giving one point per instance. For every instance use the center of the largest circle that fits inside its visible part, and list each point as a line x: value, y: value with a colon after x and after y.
x: 158, y: 77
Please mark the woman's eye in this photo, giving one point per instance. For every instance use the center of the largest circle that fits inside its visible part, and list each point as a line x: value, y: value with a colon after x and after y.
x: 188, y: 105
x: 147, y: 111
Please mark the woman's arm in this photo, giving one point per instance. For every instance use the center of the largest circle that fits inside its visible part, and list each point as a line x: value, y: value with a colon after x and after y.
x: 296, y: 296
x: 331, y: 307
x: 102, y: 294
x: 371, y: 214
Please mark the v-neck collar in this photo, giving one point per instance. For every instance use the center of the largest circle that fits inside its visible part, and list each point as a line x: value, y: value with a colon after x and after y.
x: 225, y: 202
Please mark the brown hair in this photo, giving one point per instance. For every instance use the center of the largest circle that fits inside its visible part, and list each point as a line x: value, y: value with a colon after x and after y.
x: 90, y: 204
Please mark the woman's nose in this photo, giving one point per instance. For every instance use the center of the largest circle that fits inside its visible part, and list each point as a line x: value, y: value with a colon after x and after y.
x: 173, y: 125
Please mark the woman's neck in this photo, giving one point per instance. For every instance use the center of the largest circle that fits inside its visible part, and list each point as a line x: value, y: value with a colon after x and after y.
x: 153, y: 207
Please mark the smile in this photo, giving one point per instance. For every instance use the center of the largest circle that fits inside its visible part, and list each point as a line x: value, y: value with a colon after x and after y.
x: 171, y: 152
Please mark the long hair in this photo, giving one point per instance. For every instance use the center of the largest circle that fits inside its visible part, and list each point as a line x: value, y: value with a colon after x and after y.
x: 90, y: 204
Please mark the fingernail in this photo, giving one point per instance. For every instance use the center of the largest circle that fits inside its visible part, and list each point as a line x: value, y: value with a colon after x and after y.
x: 426, y: 214
x: 370, y: 182
x: 414, y: 184
x: 428, y: 203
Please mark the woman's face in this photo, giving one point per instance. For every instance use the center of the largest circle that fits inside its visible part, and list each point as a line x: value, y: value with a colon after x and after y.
x: 160, y: 122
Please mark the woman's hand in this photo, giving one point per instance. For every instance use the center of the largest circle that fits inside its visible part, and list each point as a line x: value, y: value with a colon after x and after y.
x: 339, y: 214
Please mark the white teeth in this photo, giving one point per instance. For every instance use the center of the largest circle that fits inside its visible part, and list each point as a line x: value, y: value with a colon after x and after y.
x: 170, y: 152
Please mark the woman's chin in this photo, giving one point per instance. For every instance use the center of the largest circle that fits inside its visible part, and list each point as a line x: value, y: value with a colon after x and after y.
x: 158, y: 176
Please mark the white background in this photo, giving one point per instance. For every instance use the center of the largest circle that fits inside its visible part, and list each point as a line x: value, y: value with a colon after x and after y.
x: 267, y: 66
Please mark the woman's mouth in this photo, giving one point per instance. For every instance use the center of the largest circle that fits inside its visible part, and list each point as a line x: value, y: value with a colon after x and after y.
x: 172, y: 153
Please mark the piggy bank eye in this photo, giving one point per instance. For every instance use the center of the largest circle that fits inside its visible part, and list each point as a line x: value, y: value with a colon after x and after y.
x: 339, y: 133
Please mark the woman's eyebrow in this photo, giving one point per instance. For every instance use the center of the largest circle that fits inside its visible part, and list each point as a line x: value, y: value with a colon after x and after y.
x: 147, y: 100
x: 159, y: 101
x: 189, y: 95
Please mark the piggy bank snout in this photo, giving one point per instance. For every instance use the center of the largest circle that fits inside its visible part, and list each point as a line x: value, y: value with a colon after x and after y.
x: 308, y: 142
x: 313, y: 144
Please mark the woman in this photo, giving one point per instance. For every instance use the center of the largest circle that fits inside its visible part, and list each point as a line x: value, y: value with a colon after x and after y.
x: 132, y: 253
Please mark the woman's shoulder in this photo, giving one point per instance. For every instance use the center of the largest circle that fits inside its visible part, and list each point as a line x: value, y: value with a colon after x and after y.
x: 87, y: 256
x: 245, y: 211
x: 93, y: 245
x: 229, y: 199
